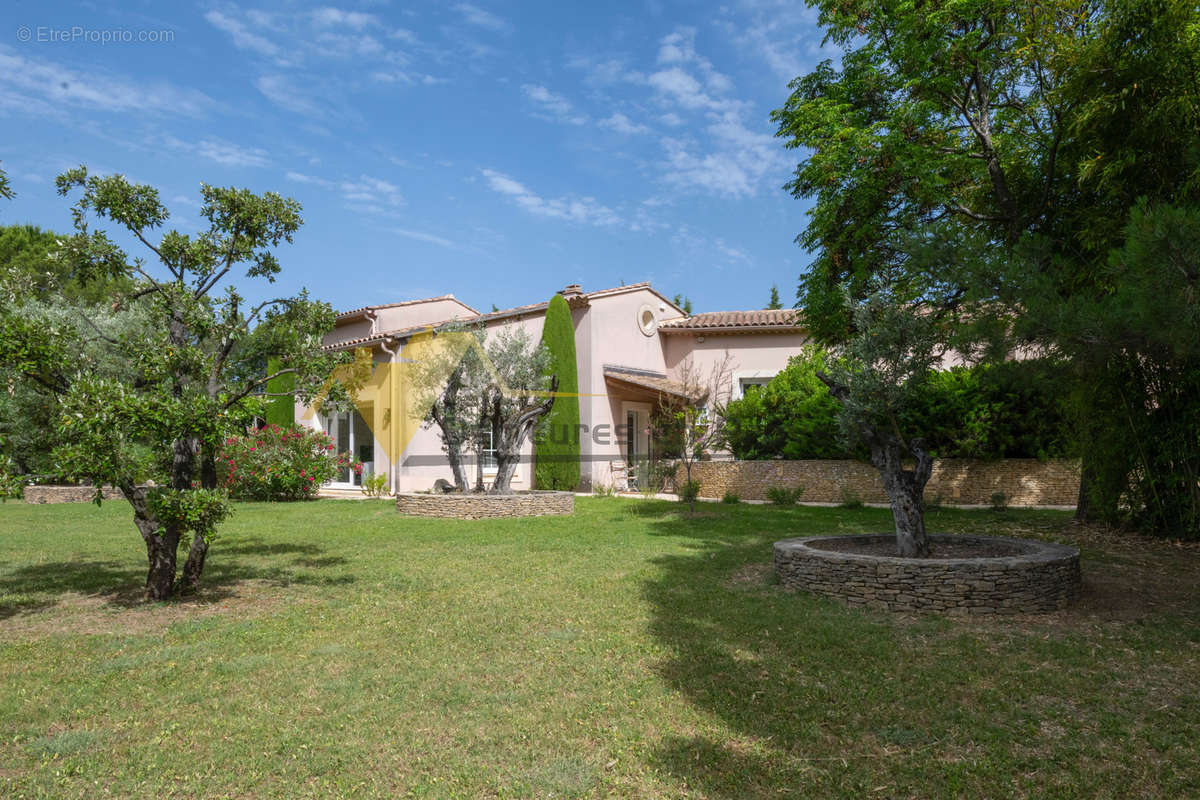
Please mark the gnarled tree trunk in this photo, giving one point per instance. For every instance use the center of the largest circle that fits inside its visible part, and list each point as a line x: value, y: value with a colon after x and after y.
x: 161, y: 545
x: 906, y: 492
x: 189, y: 579
x: 509, y: 435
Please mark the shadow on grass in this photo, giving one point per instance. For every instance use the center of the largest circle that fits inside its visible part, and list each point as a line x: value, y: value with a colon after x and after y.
x: 805, y: 684
x: 120, y: 584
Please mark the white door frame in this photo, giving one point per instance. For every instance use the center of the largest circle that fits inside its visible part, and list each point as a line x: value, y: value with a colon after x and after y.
x: 333, y: 422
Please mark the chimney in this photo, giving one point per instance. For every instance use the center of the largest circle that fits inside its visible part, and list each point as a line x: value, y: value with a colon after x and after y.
x: 572, y: 290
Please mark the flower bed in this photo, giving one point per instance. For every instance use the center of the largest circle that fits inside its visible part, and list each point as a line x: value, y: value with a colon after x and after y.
x: 1012, y: 576
x: 486, y: 506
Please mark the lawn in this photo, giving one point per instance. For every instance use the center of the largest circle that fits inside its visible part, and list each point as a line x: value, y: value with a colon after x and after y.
x: 339, y: 649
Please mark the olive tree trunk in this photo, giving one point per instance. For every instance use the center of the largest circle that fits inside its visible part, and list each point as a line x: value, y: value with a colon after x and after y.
x: 905, y: 489
x: 161, y: 545
x: 510, y: 434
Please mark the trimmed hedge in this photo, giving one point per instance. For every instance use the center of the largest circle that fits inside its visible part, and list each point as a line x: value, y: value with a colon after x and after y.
x: 557, y: 465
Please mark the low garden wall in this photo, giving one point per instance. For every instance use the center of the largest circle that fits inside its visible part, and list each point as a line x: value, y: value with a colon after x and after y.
x: 68, y: 494
x: 1037, y: 577
x: 1022, y: 481
x: 486, y: 506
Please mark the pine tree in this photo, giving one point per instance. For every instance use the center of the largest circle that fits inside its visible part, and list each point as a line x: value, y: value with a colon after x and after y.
x: 557, y: 464
x: 775, y: 301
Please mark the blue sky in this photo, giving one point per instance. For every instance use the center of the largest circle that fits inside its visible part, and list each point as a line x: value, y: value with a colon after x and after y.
x: 497, y: 152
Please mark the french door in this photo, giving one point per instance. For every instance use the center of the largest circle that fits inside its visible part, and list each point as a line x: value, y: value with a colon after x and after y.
x: 351, y: 434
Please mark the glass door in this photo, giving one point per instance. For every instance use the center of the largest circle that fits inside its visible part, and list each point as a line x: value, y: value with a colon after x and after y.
x: 351, y: 434
x: 637, y: 446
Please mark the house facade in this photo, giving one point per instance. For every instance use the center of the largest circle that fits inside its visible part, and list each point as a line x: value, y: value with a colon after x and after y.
x: 631, y: 345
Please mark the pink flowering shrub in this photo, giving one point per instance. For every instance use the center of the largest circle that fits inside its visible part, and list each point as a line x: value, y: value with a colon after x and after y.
x: 280, y: 463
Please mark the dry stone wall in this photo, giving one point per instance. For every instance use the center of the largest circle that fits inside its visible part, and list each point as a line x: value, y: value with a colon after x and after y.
x: 1041, y: 576
x: 68, y: 494
x: 1023, y: 482
x: 486, y: 506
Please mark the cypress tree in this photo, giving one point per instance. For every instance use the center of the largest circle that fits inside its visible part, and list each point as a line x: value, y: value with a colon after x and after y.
x: 557, y: 464
x: 281, y: 410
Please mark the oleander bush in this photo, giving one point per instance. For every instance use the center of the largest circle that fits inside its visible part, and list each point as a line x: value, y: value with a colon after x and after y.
x: 280, y: 462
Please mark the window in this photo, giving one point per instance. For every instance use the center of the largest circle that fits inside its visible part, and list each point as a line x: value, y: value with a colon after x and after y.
x: 646, y: 320
x: 750, y: 385
x: 488, y: 456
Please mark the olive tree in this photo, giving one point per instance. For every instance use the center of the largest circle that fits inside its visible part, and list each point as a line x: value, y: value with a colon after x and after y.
x: 877, y: 375
x: 193, y: 363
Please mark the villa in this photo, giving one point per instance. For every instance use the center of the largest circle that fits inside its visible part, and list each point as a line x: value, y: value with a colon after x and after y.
x: 631, y: 342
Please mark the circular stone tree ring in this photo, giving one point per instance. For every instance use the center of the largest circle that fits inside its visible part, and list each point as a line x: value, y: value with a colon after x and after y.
x: 1014, y: 576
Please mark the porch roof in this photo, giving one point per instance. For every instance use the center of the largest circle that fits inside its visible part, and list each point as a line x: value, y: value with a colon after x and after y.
x: 647, y: 382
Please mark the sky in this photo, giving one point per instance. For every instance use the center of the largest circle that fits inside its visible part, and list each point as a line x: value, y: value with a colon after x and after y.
x: 493, y: 151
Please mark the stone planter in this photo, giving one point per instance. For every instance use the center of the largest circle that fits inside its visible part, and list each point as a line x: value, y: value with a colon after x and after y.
x: 68, y: 494
x: 486, y: 506
x: 1034, y: 577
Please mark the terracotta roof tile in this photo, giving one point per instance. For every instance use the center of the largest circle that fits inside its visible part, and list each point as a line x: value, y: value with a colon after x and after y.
x: 785, y: 319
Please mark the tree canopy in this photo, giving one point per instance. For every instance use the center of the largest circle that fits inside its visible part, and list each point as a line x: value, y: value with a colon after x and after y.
x: 989, y: 160
x: 150, y: 391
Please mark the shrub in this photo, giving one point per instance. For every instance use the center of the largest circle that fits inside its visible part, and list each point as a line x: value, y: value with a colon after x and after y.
x: 1015, y: 409
x: 999, y: 501
x: 280, y: 463
x: 850, y: 499
x: 731, y: 498
x: 689, y: 491
x: 604, y: 490
x: 374, y: 485
x: 11, y: 484
x: 784, y: 496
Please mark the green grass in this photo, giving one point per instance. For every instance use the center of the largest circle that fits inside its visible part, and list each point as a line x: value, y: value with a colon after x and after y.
x: 339, y: 649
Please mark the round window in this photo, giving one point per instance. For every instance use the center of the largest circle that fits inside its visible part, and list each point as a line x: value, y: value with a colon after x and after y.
x: 646, y: 320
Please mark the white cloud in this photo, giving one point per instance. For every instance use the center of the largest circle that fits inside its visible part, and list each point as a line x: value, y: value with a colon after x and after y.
x: 242, y: 36
x: 421, y: 236
x: 280, y: 91
x: 45, y: 87
x: 370, y: 190
x: 672, y: 119
x: 231, y: 155
x: 300, y: 177
x: 582, y: 209
x: 330, y: 17
x: 622, y: 124
x: 555, y: 107
x: 680, y: 85
x: 474, y: 15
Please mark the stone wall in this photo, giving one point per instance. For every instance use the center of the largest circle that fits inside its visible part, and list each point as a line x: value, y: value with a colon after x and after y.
x: 1023, y: 481
x: 1042, y: 577
x: 68, y: 494
x: 486, y: 506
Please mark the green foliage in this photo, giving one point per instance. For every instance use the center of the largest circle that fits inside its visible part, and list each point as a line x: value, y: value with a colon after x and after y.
x: 12, y: 486
x: 851, y: 499
x: 280, y: 463
x: 151, y: 388
x: 792, y: 417
x: 281, y: 394
x: 190, y: 510
x: 557, y: 441
x: 683, y: 302
x: 774, y: 303
x: 1016, y: 409
x: 785, y: 495
x: 690, y: 491
x: 375, y: 485
x: 730, y: 498
x: 999, y: 501
x: 991, y: 161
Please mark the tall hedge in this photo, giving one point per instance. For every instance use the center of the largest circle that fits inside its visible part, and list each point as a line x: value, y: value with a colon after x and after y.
x: 281, y: 409
x: 557, y: 465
